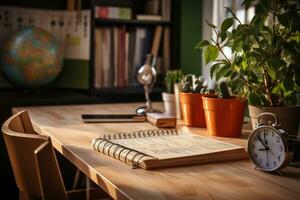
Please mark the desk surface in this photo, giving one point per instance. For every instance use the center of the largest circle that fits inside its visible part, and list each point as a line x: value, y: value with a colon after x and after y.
x: 228, y: 180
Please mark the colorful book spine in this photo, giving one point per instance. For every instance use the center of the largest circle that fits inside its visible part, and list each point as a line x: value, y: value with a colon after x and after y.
x: 109, y: 12
x: 118, y: 55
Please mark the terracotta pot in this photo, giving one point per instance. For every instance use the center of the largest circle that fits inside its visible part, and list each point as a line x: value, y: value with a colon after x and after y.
x: 192, y: 109
x: 224, y: 117
x: 288, y: 117
x: 169, y: 103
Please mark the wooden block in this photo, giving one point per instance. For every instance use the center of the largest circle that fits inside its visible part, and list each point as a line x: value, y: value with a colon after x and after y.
x: 161, y: 120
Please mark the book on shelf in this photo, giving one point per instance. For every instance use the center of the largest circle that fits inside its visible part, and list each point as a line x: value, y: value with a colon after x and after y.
x: 109, y: 12
x: 166, y: 9
x: 159, y: 148
x: 145, y: 17
x: 119, y: 52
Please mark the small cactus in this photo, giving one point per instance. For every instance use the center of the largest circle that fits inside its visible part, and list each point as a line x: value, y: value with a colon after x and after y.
x: 223, y: 90
x: 187, y: 84
x: 172, y: 77
x: 194, y: 84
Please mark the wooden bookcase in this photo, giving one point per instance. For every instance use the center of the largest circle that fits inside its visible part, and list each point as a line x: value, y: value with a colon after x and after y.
x: 136, y: 7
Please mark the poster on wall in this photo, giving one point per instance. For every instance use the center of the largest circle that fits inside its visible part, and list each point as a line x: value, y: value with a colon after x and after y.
x: 72, y: 28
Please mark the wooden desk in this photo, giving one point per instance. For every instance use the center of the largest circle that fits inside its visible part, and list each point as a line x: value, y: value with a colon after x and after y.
x: 229, y: 180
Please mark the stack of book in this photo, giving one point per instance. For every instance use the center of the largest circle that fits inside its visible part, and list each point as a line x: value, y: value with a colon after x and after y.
x: 109, y: 12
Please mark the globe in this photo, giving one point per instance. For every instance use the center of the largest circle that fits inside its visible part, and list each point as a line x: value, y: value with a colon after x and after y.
x: 32, y: 57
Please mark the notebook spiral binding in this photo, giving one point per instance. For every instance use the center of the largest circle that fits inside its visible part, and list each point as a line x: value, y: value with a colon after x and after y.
x: 106, y: 146
x: 142, y: 133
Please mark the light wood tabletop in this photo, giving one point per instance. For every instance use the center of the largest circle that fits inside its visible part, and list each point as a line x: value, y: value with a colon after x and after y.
x: 227, y: 180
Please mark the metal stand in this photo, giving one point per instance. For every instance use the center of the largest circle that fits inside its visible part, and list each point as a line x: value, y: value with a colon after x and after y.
x: 147, y: 77
x: 148, y: 107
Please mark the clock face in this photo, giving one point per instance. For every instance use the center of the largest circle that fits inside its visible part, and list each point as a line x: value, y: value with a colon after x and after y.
x: 267, y: 148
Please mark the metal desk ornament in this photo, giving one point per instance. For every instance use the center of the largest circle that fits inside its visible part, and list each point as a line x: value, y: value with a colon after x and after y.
x: 146, y: 76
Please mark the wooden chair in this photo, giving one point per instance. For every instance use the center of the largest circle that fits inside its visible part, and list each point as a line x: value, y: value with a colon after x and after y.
x: 34, y: 163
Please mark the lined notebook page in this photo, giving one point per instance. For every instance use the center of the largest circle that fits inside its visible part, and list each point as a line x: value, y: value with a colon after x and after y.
x: 175, y: 146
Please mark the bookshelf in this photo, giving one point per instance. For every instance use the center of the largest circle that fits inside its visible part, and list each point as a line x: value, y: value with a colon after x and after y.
x: 106, y: 27
x: 79, y: 75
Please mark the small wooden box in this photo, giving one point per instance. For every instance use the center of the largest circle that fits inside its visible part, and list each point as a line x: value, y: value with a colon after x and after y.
x: 161, y: 120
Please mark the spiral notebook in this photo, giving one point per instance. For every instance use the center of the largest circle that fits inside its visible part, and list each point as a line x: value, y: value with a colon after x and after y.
x: 159, y: 148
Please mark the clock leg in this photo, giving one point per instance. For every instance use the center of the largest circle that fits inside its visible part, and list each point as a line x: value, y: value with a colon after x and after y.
x: 279, y: 172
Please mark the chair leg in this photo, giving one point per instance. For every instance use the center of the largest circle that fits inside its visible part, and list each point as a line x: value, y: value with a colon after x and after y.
x: 88, y: 186
x: 76, y: 180
x: 27, y: 196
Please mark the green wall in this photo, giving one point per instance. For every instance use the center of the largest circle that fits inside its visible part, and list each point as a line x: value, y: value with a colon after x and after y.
x: 190, y: 35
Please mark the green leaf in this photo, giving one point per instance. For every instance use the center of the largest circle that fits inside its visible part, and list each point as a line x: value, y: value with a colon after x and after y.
x: 292, y: 99
x: 222, y: 71
x: 213, y: 69
x: 235, y: 86
x: 264, y: 101
x: 244, y: 62
x: 227, y: 23
x: 210, y: 24
x: 284, y: 19
x: 211, y: 53
x: 254, y: 99
x: 252, y: 77
x: 275, y: 63
x: 287, y: 56
x: 288, y: 84
x: 247, y: 3
x: 297, y: 77
x: 291, y: 46
x: 271, y: 72
x: 238, y: 42
x: 276, y: 89
x: 234, y: 76
x: 202, y: 44
x: 287, y: 94
x: 223, y: 36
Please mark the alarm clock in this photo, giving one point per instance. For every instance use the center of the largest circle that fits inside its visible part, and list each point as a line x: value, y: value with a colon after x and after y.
x: 269, y: 146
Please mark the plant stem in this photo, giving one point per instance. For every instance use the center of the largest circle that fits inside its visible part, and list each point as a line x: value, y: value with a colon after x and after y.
x: 219, y: 47
x: 234, y: 16
x: 229, y: 62
x: 268, y: 86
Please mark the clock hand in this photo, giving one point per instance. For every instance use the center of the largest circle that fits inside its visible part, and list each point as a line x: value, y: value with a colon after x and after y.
x: 267, y: 150
x: 264, y: 149
x: 267, y: 159
x: 259, y: 138
x: 265, y: 140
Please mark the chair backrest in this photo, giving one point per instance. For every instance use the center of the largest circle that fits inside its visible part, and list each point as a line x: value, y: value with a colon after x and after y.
x: 33, y: 159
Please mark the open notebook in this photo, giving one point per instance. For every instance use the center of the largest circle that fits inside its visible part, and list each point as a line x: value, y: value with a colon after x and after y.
x: 150, y: 149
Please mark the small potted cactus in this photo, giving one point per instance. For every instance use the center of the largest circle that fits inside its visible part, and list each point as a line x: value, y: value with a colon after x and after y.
x: 172, y: 77
x: 193, y: 88
x: 224, y: 113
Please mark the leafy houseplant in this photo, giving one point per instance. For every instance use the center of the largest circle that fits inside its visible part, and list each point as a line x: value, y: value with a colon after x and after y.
x: 172, y: 77
x: 224, y: 106
x: 193, y: 88
x: 265, y: 61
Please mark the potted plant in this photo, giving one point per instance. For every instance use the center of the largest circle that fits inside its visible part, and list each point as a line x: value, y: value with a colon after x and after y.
x: 265, y: 59
x: 193, y: 88
x: 172, y: 77
x: 224, y: 113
